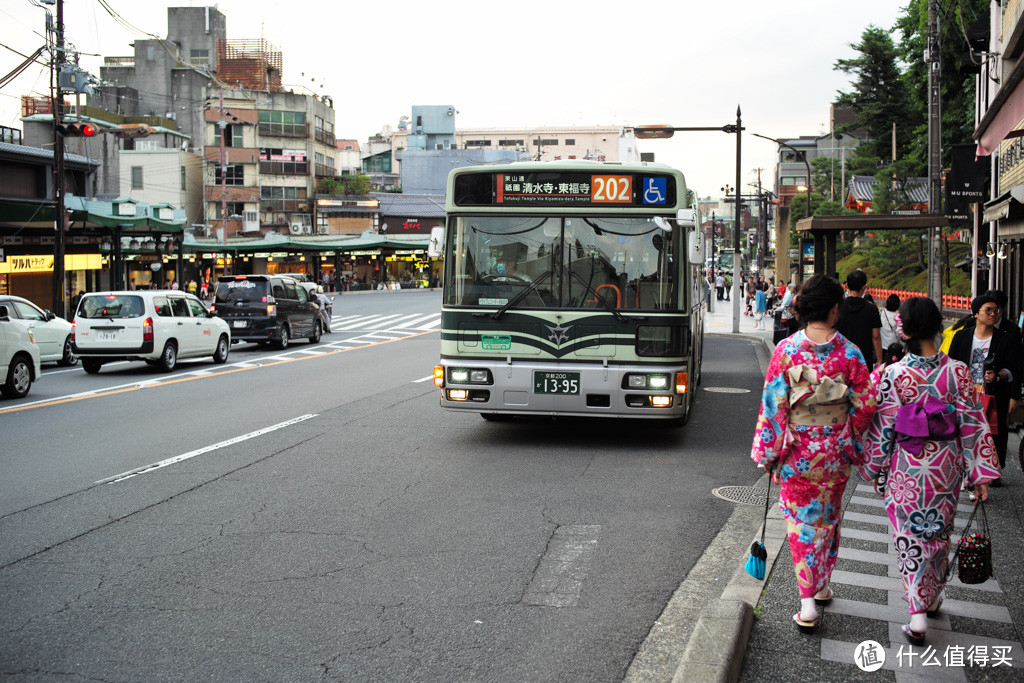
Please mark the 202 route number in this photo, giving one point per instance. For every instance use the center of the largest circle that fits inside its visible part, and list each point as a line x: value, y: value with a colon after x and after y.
x: 612, y: 189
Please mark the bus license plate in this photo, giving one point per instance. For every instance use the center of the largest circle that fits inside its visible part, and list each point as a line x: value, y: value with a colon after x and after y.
x: 567, y: 383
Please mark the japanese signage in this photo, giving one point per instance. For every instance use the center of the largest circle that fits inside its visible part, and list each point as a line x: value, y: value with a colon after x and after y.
x: 565, y: 189
x: 43, y: 263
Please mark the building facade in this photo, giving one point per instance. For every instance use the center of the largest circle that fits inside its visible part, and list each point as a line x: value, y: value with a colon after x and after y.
x: 999, y: 239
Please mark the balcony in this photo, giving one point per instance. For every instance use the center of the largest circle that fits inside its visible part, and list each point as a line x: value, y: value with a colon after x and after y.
x: 324, y: 137
x: 284, y: 205
x: 284, y: 130
x: 285, y: 167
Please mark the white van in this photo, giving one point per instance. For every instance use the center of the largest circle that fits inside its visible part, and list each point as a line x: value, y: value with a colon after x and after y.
x: 19, y: 357
x: 157, y: 326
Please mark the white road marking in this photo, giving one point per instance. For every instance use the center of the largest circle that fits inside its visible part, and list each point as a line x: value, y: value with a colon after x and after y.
x: 423, y: 379
x: 206, y: 449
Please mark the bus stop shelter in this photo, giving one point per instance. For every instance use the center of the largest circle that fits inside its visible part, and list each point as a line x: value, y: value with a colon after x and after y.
x: 822, y: 231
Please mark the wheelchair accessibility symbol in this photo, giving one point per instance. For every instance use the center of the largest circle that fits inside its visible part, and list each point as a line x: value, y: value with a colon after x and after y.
x: 655, y: 190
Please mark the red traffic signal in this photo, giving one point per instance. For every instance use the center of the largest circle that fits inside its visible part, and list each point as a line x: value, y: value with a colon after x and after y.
x: 77, y: 130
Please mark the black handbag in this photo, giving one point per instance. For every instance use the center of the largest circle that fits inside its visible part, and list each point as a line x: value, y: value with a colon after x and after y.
x: 973, y: 556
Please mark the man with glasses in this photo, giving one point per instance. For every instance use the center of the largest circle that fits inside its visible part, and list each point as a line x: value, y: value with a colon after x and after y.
x: 993, y: 357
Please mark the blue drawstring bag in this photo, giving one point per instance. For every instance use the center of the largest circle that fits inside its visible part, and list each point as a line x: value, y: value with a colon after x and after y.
x: 758, y: 554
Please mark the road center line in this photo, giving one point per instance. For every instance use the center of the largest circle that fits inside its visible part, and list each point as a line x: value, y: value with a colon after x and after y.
x: 206, y: 449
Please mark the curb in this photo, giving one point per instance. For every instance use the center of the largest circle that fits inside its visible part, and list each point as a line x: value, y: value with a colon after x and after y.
x: 701, y: 635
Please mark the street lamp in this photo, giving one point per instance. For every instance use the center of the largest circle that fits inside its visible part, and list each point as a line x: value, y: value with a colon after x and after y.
x: 800, y: 154
x: 662, y: 132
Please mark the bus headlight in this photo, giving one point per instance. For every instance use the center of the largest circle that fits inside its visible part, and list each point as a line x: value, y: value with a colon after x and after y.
x: 645, y: 381
x: 661, y: 401
x: 458, y: 394
x: 469, y: 376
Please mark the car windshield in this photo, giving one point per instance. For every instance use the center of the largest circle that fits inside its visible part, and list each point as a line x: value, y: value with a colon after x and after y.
x: 605, y: 262
x: 235, y: 291
x: 111, y: 306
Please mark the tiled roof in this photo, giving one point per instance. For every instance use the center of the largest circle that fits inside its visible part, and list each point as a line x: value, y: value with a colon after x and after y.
x: 39, y: 153
x: 862, y: 188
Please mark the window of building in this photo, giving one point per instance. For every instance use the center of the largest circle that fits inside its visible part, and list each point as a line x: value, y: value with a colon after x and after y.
x: 150, y: 53
x: 234, y: 175
x: 570, y: 141
x: 184, y: 178
x: 478, y: 143
x: 199, y: 57
x: 511, y: 143
x: 288, y: 199
x: 136, y: 177
x: 234, y: 210
x: 233, y: 137
x: 794, y: 180
x: 545, y: 143
x: 286, y: 123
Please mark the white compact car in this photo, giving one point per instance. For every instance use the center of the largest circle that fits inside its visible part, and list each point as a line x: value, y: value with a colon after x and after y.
x: 19, y: 357
x: 157, y: 326
x: 53, y: 334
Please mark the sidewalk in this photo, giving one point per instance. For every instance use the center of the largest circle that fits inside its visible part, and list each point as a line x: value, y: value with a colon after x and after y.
x: 720, y: 321
x: 745, y: 632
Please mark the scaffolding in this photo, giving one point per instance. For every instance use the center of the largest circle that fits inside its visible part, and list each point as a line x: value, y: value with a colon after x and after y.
x: 252, y: 64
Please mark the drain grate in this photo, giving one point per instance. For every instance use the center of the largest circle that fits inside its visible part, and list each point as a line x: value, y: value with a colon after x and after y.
x: 744, y: 495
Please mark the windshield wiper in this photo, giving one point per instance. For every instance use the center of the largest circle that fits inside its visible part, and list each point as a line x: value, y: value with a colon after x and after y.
x: 518, y: 297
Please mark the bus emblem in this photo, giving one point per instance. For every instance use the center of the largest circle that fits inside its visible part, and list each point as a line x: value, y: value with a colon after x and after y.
x: 559, y: 333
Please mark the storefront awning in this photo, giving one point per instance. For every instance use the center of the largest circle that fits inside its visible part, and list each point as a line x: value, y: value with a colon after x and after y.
x: 1003, y: 115
x: 1007, y: 205
x: 278, y: 242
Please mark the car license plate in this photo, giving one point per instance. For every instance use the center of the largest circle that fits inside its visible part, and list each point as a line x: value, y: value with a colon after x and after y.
x: 238, y: 323
x: 106, y: 336
x: 567, y: 383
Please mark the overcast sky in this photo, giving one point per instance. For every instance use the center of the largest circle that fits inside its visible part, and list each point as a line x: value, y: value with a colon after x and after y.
x: 525, y: 63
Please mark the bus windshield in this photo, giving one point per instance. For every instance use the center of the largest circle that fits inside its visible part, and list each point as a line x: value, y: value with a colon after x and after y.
x: 554, y: 262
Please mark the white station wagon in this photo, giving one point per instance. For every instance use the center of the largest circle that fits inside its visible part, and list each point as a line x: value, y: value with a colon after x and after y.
x: 157, y: 326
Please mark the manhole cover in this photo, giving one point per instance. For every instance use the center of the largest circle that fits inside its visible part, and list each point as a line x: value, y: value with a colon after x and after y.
x: 727, y: 390
x: 744, y: 495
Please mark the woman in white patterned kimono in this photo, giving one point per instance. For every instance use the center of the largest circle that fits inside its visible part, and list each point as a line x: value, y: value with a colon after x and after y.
x: 930, y: 435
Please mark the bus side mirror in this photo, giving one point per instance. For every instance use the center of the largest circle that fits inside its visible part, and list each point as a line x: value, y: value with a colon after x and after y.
x: 686, y: 218
x: 435, y: 247
x: 695, y: 246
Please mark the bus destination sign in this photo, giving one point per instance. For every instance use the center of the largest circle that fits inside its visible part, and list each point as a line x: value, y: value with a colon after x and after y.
x: 537, y: 189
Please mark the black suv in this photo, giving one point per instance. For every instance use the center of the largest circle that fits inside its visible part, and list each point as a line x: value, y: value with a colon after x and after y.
x: 267, y: 308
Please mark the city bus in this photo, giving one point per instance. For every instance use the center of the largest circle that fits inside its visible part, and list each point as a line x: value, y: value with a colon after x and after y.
x: 570, y: 288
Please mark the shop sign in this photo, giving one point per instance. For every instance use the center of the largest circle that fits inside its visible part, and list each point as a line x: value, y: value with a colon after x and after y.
x: 43, y: 263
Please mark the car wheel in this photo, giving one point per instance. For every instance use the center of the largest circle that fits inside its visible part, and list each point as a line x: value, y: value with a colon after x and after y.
x: 317, y: 333
x: 19, y: 378
x: 91, y: 365
x: 221, y: 354
x: 282, y: 343
x: 68, y: 357
x: 168, y: 358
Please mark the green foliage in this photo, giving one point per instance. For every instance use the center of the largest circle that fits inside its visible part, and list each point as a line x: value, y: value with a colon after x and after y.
x: 897, y: 260
x: 348, y: 185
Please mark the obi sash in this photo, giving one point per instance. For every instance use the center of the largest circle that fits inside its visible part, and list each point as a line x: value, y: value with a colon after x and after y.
x: 930, y: 420
x: 817, y: 402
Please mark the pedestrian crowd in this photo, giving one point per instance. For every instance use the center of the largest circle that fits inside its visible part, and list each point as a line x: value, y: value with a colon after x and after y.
x: 893, y: 398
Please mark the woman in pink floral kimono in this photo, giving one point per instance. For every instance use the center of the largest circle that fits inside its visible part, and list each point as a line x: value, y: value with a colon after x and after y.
x: 929, y: 435
x: 817, y: 397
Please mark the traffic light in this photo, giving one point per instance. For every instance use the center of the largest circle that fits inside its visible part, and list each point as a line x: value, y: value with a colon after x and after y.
x: 77, y: 130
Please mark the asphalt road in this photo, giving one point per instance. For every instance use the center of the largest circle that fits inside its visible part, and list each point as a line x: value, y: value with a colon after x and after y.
x: 313, y: 514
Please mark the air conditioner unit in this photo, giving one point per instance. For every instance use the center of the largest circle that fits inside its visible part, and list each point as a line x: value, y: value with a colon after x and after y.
x: 307, y: 230
x: 323, y: 230
x: 295, y: 228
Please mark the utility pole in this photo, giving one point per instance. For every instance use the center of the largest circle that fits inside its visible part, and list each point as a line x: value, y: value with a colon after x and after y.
x: 223, y: 126
x: 59, y: 213
x: 934, y: 154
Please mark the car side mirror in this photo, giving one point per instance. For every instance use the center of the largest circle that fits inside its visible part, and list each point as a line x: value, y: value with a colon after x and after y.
x: 49, y: 315
x: 4, y: 315
x: 435, y: 247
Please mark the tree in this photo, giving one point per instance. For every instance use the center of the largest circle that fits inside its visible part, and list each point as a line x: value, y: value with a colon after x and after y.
x: 349, y: 185
x: 880, y: 98
x: 958, y: 67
